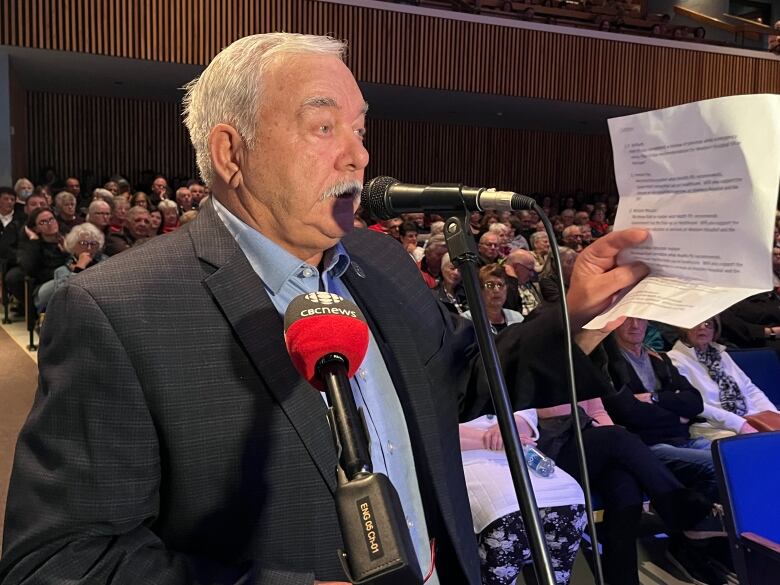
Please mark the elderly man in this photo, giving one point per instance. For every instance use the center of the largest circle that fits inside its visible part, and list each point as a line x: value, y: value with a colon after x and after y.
x: 489, y: 248
x: 198, y: 192
x: 192, y: 450
x: 136, y: 231
x: 159, y: 190
x: 522, y: 265
x: 183, y: 199
x: 572, y: 238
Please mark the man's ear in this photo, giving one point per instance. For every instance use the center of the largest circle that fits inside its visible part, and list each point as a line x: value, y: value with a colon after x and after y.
x: 226, y: 147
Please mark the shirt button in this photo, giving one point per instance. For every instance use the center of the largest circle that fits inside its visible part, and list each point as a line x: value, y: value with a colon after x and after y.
x: 409, y: 523
x: 308, y: 272
x: 390, y: 447
x: 362, y: 374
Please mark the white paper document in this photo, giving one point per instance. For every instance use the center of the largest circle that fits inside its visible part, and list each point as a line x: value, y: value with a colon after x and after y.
x: 703, y: 179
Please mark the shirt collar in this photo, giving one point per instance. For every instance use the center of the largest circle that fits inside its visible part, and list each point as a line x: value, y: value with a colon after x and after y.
x: 272, y: 263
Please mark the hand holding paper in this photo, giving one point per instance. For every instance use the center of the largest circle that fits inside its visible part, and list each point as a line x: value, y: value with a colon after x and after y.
x: 703, y: 179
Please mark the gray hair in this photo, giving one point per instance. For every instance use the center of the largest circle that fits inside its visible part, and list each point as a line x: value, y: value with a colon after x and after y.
x: 535, y: 236
x: 167, y: 204
x: 230, y: 89
x: 80, y: 231
x: 62, y: 198
x: 437, y: 227
x: 95, y: 204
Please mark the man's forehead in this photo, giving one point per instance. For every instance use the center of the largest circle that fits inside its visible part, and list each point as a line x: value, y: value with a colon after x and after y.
x: 323, y: 101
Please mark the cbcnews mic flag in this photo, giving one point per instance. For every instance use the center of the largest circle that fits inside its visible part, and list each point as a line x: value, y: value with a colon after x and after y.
x: 319, y: 324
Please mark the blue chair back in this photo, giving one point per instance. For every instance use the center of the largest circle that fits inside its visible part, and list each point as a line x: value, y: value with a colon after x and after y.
x: 749, y: 475
x: 763, y: 367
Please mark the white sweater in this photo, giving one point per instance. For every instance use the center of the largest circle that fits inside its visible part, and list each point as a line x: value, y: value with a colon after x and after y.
x: 684, y: 358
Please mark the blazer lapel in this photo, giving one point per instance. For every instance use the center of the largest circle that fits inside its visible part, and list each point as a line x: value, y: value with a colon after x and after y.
x: 241, y: 296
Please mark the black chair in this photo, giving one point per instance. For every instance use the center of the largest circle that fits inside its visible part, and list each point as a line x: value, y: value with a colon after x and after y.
x: 749, y: 478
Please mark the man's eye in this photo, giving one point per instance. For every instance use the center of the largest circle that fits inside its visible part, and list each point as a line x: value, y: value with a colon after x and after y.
x: 325, y: 129
x: 361, y: 132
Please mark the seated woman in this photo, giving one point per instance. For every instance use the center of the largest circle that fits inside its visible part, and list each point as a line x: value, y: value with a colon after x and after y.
x: 42, y: 254
x: 449, y: 290
x: 85, y: 245
x: 548, y: 281
x: 170, y: 216
x: 492, y: 278
x: 503, y: 544
x: 621, y: 468
x: 729, y: 395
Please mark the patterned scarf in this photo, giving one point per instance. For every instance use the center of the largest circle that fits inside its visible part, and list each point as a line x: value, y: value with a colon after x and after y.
x: 731, y: 397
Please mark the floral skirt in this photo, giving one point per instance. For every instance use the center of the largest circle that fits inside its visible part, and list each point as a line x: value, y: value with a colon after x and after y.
x: 504, y: 547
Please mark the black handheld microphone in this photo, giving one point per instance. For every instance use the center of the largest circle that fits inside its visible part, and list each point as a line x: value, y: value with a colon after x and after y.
x: 386, y: 197
x: 327, y: 338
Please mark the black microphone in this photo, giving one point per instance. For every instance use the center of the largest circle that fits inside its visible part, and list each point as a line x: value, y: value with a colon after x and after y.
x: 386, y: 197
x: 327, y: 338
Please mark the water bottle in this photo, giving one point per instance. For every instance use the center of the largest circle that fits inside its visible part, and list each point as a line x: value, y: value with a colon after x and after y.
x: 538, y: 462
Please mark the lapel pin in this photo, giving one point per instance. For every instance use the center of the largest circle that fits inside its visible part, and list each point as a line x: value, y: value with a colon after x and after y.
x: 358, y: 270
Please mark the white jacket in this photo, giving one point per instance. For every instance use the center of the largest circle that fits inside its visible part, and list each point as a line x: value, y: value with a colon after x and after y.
x: 684, y: 358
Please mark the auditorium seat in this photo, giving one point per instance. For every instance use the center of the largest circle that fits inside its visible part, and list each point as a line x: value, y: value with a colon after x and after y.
x: 763, y: 367
x: 749, y: 475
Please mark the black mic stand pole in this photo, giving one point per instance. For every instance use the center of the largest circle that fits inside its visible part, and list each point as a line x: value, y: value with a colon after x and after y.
x: 463, y: 254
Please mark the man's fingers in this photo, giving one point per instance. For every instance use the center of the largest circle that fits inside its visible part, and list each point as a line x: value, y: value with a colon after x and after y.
x: 603, y: 251
x: 622, y: 276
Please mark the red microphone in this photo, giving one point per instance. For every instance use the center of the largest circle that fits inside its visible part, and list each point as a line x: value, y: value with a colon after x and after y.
x: 327, y: 338
x: 320, y: 324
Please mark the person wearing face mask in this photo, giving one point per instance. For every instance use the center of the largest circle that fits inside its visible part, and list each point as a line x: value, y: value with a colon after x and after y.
x: 23, y: 189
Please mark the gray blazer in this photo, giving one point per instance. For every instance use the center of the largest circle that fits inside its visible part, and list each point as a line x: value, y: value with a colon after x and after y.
x: 172, y: 441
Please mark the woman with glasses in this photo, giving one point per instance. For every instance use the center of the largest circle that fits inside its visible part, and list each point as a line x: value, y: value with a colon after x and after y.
x: 492, y: 279
x: 42, y: 254
x: 85, y: 245
x: 729, y: 395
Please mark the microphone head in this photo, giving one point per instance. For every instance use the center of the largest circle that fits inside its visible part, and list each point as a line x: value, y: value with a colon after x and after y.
x: 319, y: 324
x: 373, y: 197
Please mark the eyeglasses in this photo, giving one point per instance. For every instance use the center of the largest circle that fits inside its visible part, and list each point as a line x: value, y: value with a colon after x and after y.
x: 46, y: 221
x: 88, y: 243
x: 516, y: 266
x: 101, y: 213
x: 709, y: 324
x: 493, y: 285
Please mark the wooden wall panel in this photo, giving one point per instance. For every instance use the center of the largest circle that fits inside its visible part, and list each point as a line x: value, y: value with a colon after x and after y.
x: 397, y: 48
x: 98, y: 137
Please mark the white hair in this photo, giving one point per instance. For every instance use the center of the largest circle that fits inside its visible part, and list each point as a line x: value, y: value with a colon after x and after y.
x: 80, y: 231
x: 230, y: 89
x: 437, y: 227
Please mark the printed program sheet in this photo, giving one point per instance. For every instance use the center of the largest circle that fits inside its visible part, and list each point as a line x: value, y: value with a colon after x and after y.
x: 703, y: 179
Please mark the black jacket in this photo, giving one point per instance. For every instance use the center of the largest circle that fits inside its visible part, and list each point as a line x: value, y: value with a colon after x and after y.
x: 656, y: 422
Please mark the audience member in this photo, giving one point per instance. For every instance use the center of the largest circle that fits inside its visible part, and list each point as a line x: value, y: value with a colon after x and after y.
x: 598, y: 223
x: 540, y: 246
x: 65, y: 210
x: 776, y: 269
x: 581, y: 218
x: 522, y: 265
x: 42, y: 254
x: 103, y: 195
x: 572, y: 238
x: 23, y: 189
x: 135, y: 232
x: 10, y: 218
x: 73, y: 185
x: 622, y: 469
x: 489, y: 248
x: 140, y: 199
x: 183, y: 199
x: 754, y: 321
x: 170, y: 215
x: 567, y: 217
x: 408, y: 233
x: 657, y: 403
x: 84, y: 243
x: 99, y: 215
x: 155, y: 222
x: 492, y: 280
x: 548, y: 278
x: 112, y: 187
x: 198, y: 192
x: 450, y: 289
x: 159, y: 190
x: 186, y: 217
x: 119, y: 215
x: 728, y: 393
x: 501, y: 536
x: 430, y: 265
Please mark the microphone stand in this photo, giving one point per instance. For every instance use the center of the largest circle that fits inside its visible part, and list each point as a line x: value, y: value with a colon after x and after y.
x: 463, y: 254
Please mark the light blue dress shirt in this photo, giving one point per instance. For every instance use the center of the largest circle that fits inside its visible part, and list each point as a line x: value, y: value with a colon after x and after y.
x: 285, y: 277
